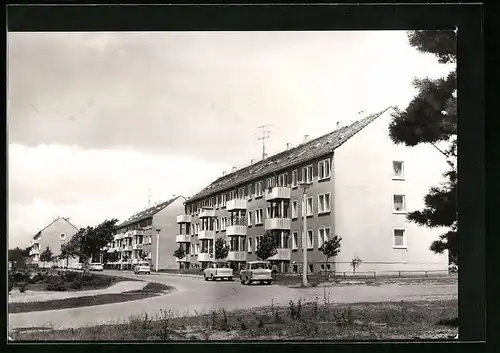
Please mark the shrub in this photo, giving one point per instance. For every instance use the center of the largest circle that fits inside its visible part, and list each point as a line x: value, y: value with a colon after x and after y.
x: 56, y: 284
x: 76, y: 284
x: 71, y: 276
x: 36, y: 278
x: 20, y: 277
x: 23, y: 286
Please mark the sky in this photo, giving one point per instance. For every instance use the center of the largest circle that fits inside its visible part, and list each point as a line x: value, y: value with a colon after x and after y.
x: 96, y: 120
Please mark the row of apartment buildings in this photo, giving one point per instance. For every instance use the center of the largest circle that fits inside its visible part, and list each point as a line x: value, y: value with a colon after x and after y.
x: 358, y: 185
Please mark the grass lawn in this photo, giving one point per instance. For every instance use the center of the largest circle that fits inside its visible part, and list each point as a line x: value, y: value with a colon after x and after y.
x: 297, y: 321
x: 150, y: 290
x: 103, y: 281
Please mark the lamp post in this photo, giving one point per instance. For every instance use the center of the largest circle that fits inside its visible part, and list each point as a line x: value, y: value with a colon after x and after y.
x: 157, y: 247
x: 304, y: 187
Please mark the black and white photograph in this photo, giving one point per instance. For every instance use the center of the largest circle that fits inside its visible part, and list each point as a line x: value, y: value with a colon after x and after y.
x: 232, y: 185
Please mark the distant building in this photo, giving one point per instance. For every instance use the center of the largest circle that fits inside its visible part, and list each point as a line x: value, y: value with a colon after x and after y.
x: 54, y: 236
x: 361, y: 187
x: 136, y: 238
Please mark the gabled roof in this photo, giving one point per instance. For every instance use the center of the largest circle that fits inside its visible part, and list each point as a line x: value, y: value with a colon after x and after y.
x: 54, y: 221
x: 313, y: 149
x: 149, y: 212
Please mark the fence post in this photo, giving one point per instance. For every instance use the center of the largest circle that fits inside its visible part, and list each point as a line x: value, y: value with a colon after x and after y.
x: 399, y: 273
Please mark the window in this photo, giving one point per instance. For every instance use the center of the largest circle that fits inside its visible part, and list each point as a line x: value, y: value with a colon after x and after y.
x: 295, y: 209
x: 310, y: 239
x: 62, y: 236
x: 323, y: 236
x: 197, y: 228
x: 212, y: 202
x: 217, y: 201
x: 249, y: 191
x: 398, y: 170
x: 324, y: 169
x: 258, y: 189
x: 223, y: 223
x: 295, y: 240
x: 217, y: 224
x: 249, y: 218
x: 224, y: 200
x: 295, y: 178
x: 324, y: 203
x: 257, y: 242
x: 258, y: 216
x: 193, y: 231
x: 307, y: 174
x: 271, y: 182
x: 241, y: 193
x: 309, y: 206
x: 399, y: 204
x: 399, y: 238
x: 249, y: 244
x: 232, y: 195
x: 283, y: 179
x: 268, y: 212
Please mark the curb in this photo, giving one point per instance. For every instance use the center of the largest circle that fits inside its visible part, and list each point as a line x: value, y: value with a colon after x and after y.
x: 176, y: 274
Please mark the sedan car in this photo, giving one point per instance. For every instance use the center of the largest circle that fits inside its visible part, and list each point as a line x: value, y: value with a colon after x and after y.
x: 96, y: 267
x: 256, y: 271
x: 142, y: 267
x: 218, y: 270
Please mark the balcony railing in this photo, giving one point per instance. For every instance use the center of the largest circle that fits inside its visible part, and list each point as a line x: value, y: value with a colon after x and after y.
x: 283, y: 255
x: 183, y: 238
x: 137, y: 246
x: 127, y: 248
x: 186, y: 258
x: 278, y: 223
x: 136, y: 232
x: 207, y: 212
x: 205, y: 257
x: 278, y: 193
x: 236, y: 256
x: 206, y: 234
x: 184, y: 218
x: 236, y: 204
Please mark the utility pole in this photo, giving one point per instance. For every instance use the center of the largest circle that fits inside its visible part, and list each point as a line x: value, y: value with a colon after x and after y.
x: 265, y: 135
x: 149, y: 197
x: 304, y: 187
x: 157, y: 247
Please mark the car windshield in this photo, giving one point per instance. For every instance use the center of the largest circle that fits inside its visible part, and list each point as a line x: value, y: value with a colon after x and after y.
x: 221, y: 265
x: 143, y: 264
x: 260, y: 265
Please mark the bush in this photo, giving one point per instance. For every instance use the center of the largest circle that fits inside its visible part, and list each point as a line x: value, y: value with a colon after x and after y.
x: 56, y: 284
x: 71, y: 276
x: 22, y: 287
x: 36, y: 278
x: 76, y: 284
x: 20, y: 277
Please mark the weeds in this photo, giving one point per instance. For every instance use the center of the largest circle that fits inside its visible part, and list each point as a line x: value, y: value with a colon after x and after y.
x: 225, y: 324
x: 164, y: 329
x: 295, y: 309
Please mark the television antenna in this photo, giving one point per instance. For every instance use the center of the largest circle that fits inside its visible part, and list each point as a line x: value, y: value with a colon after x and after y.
x: 265, y: 135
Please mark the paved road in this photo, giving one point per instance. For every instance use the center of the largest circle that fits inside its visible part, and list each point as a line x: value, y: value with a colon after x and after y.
x: 195, y: 295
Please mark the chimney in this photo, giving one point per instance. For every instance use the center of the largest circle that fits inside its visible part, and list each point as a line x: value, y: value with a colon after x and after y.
x: 251, y: 161
x: 338, y: 125
x: 306, y: 138
x: 287, y: 146
x: 233, y: 170
x: 224, y: 173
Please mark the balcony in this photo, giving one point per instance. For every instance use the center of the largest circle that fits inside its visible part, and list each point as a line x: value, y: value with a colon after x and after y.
x: 127, y: 248
x: 206, y: 234
x: 278, y: 223
x: 207, y: 212
x: 127, y: 235
x: 183, y: 238
x: 186, y: 258
x: 137, y: 247
x: 184, y: 218
x: 119, y: 236
x: 205, y: 257
x: 236, y: 230
x: 137, y: 232
x: 282, y: 255
x: 236, y: 256
x: 278, y: 193
x: 236, y: 204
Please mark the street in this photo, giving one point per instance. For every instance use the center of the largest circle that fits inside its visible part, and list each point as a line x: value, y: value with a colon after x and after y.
x: 194, y: 295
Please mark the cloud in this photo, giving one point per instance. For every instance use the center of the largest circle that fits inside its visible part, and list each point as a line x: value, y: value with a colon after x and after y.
x: 90, y: 185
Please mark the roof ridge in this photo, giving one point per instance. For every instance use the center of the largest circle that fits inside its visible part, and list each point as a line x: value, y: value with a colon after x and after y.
x: 138, y: 216
x: 333, y: 140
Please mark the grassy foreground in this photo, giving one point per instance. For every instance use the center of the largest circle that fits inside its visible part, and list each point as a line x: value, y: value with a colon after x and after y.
x: 150, y: 290
x: 297, y: 321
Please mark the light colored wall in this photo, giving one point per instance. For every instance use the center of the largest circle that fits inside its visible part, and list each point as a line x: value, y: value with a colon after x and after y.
x: 364, y: 201
x: 166, y: 220
x: 51, y: 237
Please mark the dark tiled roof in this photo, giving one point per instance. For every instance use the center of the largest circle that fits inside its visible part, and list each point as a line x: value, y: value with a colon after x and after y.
x: 313, y: 149
x: 149, y: 212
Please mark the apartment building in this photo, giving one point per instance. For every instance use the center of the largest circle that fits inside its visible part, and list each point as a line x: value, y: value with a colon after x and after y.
x: 149, y: 235
x: 54, y: 236
x: 360, y: 186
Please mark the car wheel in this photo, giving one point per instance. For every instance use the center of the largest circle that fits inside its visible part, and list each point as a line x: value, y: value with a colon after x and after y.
x: 231, y: 279
x: 212, y: 277
x: 206, y: 278
x: 241, y: 280
x: 269, y: 282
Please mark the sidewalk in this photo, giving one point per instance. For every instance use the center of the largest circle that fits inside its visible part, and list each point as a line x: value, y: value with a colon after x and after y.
x: 38, y: 296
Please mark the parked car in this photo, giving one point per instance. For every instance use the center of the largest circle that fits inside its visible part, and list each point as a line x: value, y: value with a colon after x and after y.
x: 256, y: 271
x: 142, y: 267
x: 78, y: 266
x: 96, y: 267
x: 218, y: 270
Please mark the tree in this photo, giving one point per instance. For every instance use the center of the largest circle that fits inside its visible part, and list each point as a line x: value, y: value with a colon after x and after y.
x: 268, y: 245
x: 221, y: 249
x: 431, y: 118
x: 355, y: 262
x: 180, y: 253
x: 46, y: 255
x: 332, y: 247
x: 19, y: 256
